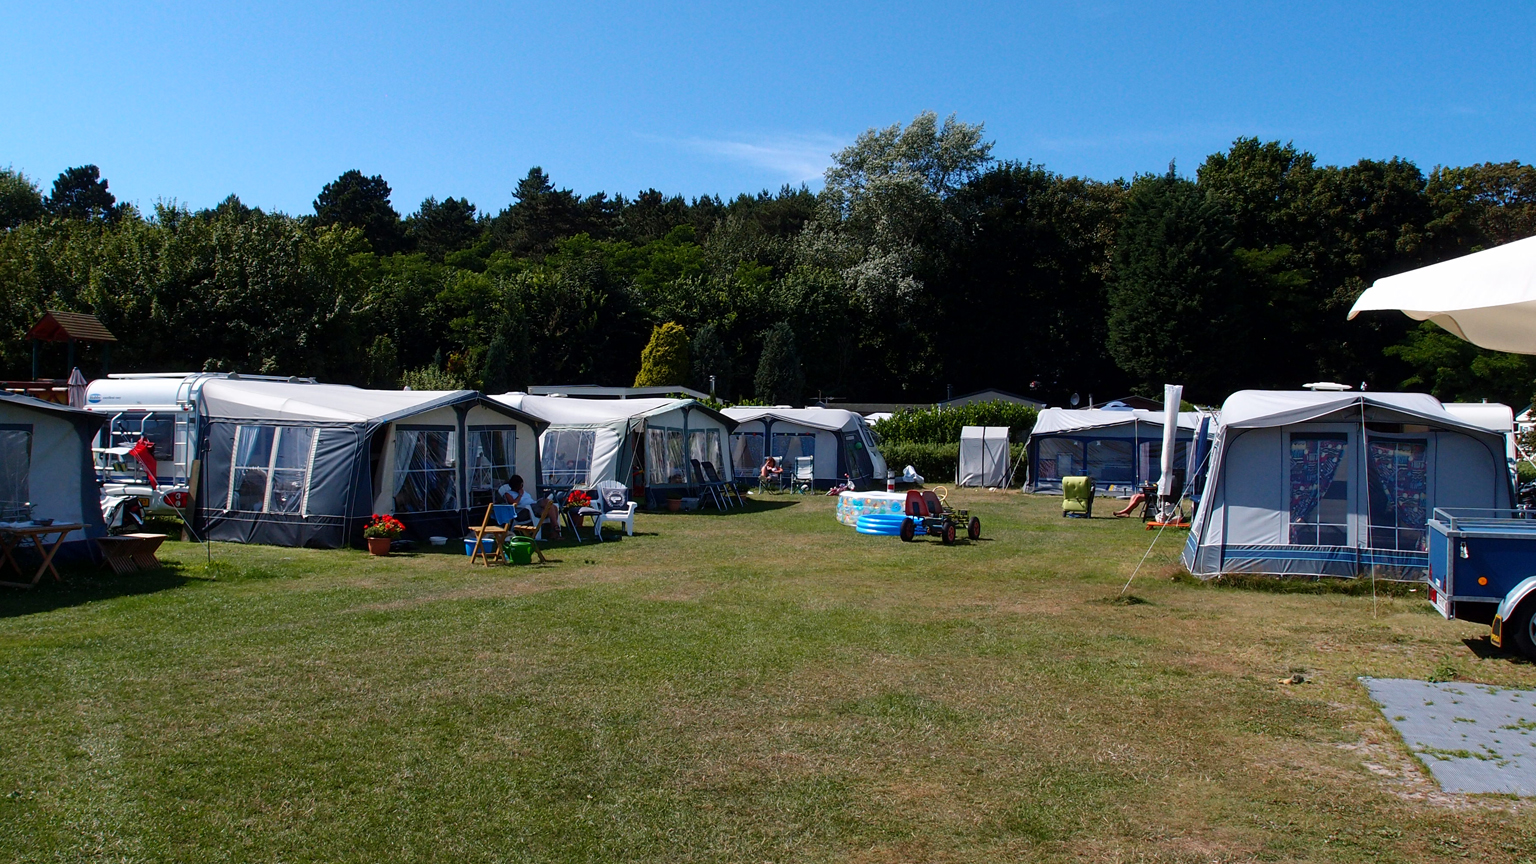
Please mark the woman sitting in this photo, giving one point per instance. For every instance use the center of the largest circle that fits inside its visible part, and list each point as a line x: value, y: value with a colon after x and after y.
x: 539, y: 512
x: 771, y: 472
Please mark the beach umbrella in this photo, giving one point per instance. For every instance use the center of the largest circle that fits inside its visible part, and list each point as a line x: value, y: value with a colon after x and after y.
x: 1487, y: 298
x: 76, y: 389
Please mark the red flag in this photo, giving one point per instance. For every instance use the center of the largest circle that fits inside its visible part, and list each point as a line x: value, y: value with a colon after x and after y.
x: 144, y: 451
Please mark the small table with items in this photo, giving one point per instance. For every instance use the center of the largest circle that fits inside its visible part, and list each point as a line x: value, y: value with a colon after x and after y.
x: 13, y: 534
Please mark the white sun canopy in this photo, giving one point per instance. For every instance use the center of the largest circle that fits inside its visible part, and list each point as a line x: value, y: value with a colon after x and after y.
x: 1487, y: 298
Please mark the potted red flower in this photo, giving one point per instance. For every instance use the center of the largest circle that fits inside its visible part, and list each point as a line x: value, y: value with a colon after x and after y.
x: 380, y: 531
x: 574, y: 502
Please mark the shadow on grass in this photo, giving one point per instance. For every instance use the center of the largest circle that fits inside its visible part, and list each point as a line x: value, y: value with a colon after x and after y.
x: 1357, y: 587
x: 87, y: 584
x: 753, y: 505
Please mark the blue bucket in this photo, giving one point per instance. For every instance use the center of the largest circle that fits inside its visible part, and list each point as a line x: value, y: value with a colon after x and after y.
x: 488, y: 544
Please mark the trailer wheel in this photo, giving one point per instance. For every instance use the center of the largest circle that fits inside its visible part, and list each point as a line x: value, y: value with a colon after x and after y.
x: 973, y: 528
x: 908, y: 531
x: 1519, y: 627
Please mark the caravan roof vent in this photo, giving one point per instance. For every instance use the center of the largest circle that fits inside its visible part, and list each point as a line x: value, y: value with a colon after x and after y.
x: 1326, y: 385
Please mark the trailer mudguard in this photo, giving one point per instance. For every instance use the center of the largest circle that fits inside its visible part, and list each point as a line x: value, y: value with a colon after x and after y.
x: 1507, y: 607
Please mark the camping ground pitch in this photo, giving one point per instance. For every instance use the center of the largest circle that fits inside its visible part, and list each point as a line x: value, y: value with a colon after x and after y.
x: 762, y: 685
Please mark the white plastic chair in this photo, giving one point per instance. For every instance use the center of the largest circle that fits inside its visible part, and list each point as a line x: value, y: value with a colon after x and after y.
x: 611, y: 498
x: 805, y: 474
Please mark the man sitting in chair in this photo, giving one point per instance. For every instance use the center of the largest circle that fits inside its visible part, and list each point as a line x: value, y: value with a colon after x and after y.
x: 528, y: 510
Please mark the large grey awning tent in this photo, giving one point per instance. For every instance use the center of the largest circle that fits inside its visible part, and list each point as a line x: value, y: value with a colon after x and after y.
x: 840, y: 440
x: 1120, y: 449
x: 303, y: 464
x: 642, y: 443
x: 45, y: 460
x: 1337, y: 484
x: 983, y: 456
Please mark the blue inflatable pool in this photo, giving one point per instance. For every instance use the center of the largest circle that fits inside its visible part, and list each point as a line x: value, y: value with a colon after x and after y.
x: 881, y: 524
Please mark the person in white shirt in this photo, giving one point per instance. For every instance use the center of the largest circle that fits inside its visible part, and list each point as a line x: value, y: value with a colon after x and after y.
x: 512, y: 492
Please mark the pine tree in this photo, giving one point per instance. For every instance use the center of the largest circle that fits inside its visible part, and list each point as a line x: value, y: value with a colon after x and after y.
x: 779, y: 378
x: 665, y: 359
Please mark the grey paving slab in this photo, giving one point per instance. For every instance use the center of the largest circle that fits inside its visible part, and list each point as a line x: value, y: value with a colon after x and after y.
x: 1473, y: 737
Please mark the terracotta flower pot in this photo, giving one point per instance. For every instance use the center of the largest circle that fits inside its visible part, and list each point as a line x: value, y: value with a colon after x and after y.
x: 378, y: 545
x: 675, y: 504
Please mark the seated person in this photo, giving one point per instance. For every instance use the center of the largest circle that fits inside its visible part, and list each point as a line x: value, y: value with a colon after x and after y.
x: 770, y: 471
x: 538, y: 512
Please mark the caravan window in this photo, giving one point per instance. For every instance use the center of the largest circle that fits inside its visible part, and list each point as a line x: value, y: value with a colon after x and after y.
x: 160, y: 429
x: 1319, y: 468
x: 15, y: 469
x: 426, y: 469
x: 269, y: 472
x: 1397, y: 477
x: 704, y: 445
x: 567, y: 456
x: 492, y: 456
x: 665, y: 462
x: 747, y: 453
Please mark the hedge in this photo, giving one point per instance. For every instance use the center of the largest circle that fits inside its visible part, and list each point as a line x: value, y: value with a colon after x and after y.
x: 936, y: 462
x: 942, y: 425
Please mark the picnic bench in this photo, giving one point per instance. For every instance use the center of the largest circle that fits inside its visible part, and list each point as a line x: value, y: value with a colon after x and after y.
x: 129, y: 553
x: 14, y: 535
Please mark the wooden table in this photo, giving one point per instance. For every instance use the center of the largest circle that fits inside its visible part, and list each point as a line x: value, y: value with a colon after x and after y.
x: 12, y: 536
x: 128, y: 553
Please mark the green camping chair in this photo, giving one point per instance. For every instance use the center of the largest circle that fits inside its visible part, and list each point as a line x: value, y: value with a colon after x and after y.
x: 1077, y: 497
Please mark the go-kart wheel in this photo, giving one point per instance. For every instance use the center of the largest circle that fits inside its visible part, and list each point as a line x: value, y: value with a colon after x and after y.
x: 973, y: 528
x: 908, y: 530
x: 949, y: 533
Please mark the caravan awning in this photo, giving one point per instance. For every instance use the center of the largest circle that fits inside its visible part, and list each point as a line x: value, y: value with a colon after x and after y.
x: 1257, y: 409
x: 1058, y: 420
x: 236, y: 399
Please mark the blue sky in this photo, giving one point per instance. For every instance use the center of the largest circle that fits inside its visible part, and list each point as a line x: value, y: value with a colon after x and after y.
x: 270, y: 101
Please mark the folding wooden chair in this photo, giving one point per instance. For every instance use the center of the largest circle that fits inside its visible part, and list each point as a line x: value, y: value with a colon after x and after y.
x: 488, y: 530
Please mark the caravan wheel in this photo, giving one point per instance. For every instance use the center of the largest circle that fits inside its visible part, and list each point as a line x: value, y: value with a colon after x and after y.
x: 1520, y: 629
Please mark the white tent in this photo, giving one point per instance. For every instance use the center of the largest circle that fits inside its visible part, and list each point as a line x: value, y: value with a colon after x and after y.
x: 45, y: 460
x: 644, y: 443
x: 840, y: 440
x: 305, y: 464
x: 1119, y: 448
x: 1336, y: 483
x: 983, y: 456
x: 1487, y: 298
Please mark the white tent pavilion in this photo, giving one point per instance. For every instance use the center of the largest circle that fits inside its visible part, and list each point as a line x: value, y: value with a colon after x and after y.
x: 1487, y: 298
x: 1120, y: 448
x: 983, y: 456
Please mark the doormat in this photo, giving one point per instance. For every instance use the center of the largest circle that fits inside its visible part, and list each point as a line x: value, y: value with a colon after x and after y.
x: 1474, y: 737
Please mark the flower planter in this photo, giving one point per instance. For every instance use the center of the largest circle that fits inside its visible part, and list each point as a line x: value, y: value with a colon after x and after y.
x: 674, y: 504
x: 378, y: 545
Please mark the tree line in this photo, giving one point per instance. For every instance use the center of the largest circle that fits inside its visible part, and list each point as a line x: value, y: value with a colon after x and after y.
x: 923, y: 265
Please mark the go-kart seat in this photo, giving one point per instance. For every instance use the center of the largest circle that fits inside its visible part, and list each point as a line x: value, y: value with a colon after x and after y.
x: 923, y: 503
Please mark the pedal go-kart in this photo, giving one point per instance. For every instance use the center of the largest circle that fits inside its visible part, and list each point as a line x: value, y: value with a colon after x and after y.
x: 929, y: 515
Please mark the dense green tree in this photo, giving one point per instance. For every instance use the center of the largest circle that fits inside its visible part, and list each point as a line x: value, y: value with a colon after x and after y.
x: 81, y: 193
x: 1483, y: 205
x: 710, y: 361
x: 780, y: 379
x: 665, y: 358
x: 20, y: 200
x: 541, y: 217
x: 355, y: 201
x: 439, y: 228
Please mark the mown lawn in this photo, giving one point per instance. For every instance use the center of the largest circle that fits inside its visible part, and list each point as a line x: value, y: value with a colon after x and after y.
x: 762, y: 686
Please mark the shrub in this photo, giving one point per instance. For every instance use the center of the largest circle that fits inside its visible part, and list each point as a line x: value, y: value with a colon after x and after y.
x: 1525, y: 471
x: 942, y: 425
x: 665, y: 360
x: 936, y: 462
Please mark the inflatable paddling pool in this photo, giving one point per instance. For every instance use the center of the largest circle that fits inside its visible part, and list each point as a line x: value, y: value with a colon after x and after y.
x: 882, y: 524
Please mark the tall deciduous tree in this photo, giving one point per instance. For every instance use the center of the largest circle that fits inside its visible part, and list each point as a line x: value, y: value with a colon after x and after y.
x: 20, y: 200
x: 665, y: 359
x: 355, y: 201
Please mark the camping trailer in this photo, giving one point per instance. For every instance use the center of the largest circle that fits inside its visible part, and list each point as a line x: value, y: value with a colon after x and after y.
x: 46, y: 470
x: 645, y: 444
x: 304, y: 464
x: 1121, y: 449
x: 1338, y: 484
x: 840, y: 441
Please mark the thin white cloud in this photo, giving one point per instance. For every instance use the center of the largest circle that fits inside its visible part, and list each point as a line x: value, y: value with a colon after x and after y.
x: 796, y: 158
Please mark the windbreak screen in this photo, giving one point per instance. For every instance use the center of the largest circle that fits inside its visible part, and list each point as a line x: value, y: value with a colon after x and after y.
x: 426, y: 470
x: 747, y: 453
x: 492, y: 455
x: 567, y: 456
x: 15, y: 471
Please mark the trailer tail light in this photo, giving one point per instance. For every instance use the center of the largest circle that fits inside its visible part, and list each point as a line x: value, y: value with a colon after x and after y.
x: 178, y: 500
x: 1433, y: 596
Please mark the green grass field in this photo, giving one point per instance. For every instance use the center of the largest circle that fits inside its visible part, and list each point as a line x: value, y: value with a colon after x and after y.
x: 758, y: 686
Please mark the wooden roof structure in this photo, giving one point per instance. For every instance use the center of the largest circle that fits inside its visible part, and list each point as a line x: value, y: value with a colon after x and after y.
x: 69, y: 327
